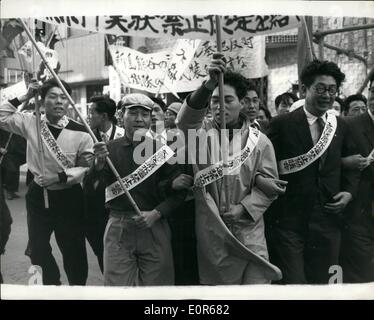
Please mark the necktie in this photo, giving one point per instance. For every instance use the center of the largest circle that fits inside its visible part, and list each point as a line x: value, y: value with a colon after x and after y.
x: 321, y: 126
x: 104, y: 137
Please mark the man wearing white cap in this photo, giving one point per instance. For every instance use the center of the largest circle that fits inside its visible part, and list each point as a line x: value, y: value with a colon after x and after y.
x: 137, y: 249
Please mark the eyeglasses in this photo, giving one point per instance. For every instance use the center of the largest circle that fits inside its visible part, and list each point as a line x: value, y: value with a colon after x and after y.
x: 321, y: 89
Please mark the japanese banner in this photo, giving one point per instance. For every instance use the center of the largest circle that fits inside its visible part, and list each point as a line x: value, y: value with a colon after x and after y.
x: 191, y: 27
x: 156, y: 72
x: 174, y: 71
x: 13, y: 91
x: 114, y: 85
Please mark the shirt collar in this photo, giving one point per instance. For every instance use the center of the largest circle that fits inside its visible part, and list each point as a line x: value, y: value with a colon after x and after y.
x: 311, y: 118
x: 61, y: 124
x: 109, y: 132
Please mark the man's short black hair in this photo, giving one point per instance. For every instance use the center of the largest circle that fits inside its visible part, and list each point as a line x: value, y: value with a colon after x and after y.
x: 160, y: 103
x: 284, y: 97
x: 353, y: 97
x: 104, y: 105
x: 51, y: 83
x: 321, y: 68
x: 238, y: 82
x: 266, y: 111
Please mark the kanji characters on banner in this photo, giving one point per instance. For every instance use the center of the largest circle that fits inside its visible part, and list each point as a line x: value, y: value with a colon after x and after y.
x: 191, y: 27
x: 184, y: 67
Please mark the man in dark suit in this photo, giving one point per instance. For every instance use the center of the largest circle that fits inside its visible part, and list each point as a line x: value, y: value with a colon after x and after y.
x: 357, y: 256
x: 303, y: 225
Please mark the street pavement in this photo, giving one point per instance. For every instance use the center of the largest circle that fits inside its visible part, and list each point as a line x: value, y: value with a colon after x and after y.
x: 16, y: 266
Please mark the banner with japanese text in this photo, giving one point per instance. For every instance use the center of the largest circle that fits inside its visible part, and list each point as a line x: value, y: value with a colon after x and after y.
x: 184, y: 67
x: 190, y: 27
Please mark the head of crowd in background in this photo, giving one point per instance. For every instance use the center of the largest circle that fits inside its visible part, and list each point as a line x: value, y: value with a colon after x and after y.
x: 54, y: 100
x: 102, y: 112
x: 158, y: 114
x: 338, y: 106
x: 171, y: 114
x: 320, y: 82
x: 354, y: 105
x: 264, y: 117
x: 137, y: 113
x: 370, y: 103
x: 284, y: 101
x: 251, y: 102
x: 235, y: 89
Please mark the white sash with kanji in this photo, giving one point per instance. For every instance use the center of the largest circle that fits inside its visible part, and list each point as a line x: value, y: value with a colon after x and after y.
x: 53, y: 147
x: 299, y: 163
x: 216, y: 171
x: 150, y: 166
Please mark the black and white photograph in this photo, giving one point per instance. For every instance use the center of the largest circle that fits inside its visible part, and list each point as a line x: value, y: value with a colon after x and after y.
x: 187, y: 150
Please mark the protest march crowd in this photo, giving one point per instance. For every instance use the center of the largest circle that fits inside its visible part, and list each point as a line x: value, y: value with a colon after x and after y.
x: 289, y: 200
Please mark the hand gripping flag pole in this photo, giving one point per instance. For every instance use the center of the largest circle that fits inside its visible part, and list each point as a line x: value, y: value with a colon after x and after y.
x: 224, y: 145
x: 109, y: 162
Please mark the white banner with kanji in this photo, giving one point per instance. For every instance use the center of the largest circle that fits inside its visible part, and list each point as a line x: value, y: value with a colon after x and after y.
x: 190, y: 27
x: 184, y: 67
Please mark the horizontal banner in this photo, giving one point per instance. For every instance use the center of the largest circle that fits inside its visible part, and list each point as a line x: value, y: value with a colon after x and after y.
x: 184, y: 67
x: 191, y: 27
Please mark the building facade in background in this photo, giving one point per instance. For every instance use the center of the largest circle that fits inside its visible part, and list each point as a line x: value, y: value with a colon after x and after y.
x: 84, y: 59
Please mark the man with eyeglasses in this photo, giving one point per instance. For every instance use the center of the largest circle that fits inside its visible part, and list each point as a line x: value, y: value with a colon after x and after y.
x: 357, y: 257
x: 303, y: 227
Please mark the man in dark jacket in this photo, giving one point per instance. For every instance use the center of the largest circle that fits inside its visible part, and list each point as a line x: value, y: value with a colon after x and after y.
x: 5, y: 222
x: 303, y: 225
x: 137, y: 248
x: 357, y: 257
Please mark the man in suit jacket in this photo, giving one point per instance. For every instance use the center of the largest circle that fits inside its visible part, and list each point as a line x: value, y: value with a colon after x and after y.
x: 357, y: 256
x: 103, y: 123
x: 303, y: 229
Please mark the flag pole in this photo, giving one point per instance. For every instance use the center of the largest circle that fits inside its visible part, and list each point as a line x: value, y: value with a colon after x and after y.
x: 38, y: 129
x: 109, y: 162
x: 224, y: 145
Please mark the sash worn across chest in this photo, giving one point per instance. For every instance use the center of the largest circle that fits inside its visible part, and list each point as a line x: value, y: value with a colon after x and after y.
x: 54, y: 148
x: 217, y: 171
x: 143, y: 172
x: 299, y: 163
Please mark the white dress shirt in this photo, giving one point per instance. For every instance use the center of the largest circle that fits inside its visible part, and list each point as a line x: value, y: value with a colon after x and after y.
x: 313, y: 125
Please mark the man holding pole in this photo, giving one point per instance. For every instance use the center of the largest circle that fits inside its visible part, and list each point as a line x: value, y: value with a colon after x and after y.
x: 230, y: 232
x: 66, y: 146
x: 137, y: 247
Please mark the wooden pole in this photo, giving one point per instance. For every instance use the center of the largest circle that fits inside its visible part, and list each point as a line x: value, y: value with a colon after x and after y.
x: 309, y: 42
x: 40, y: 145
x: 109, y: 162
x: 321, y: 40
x: 224, y: 145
